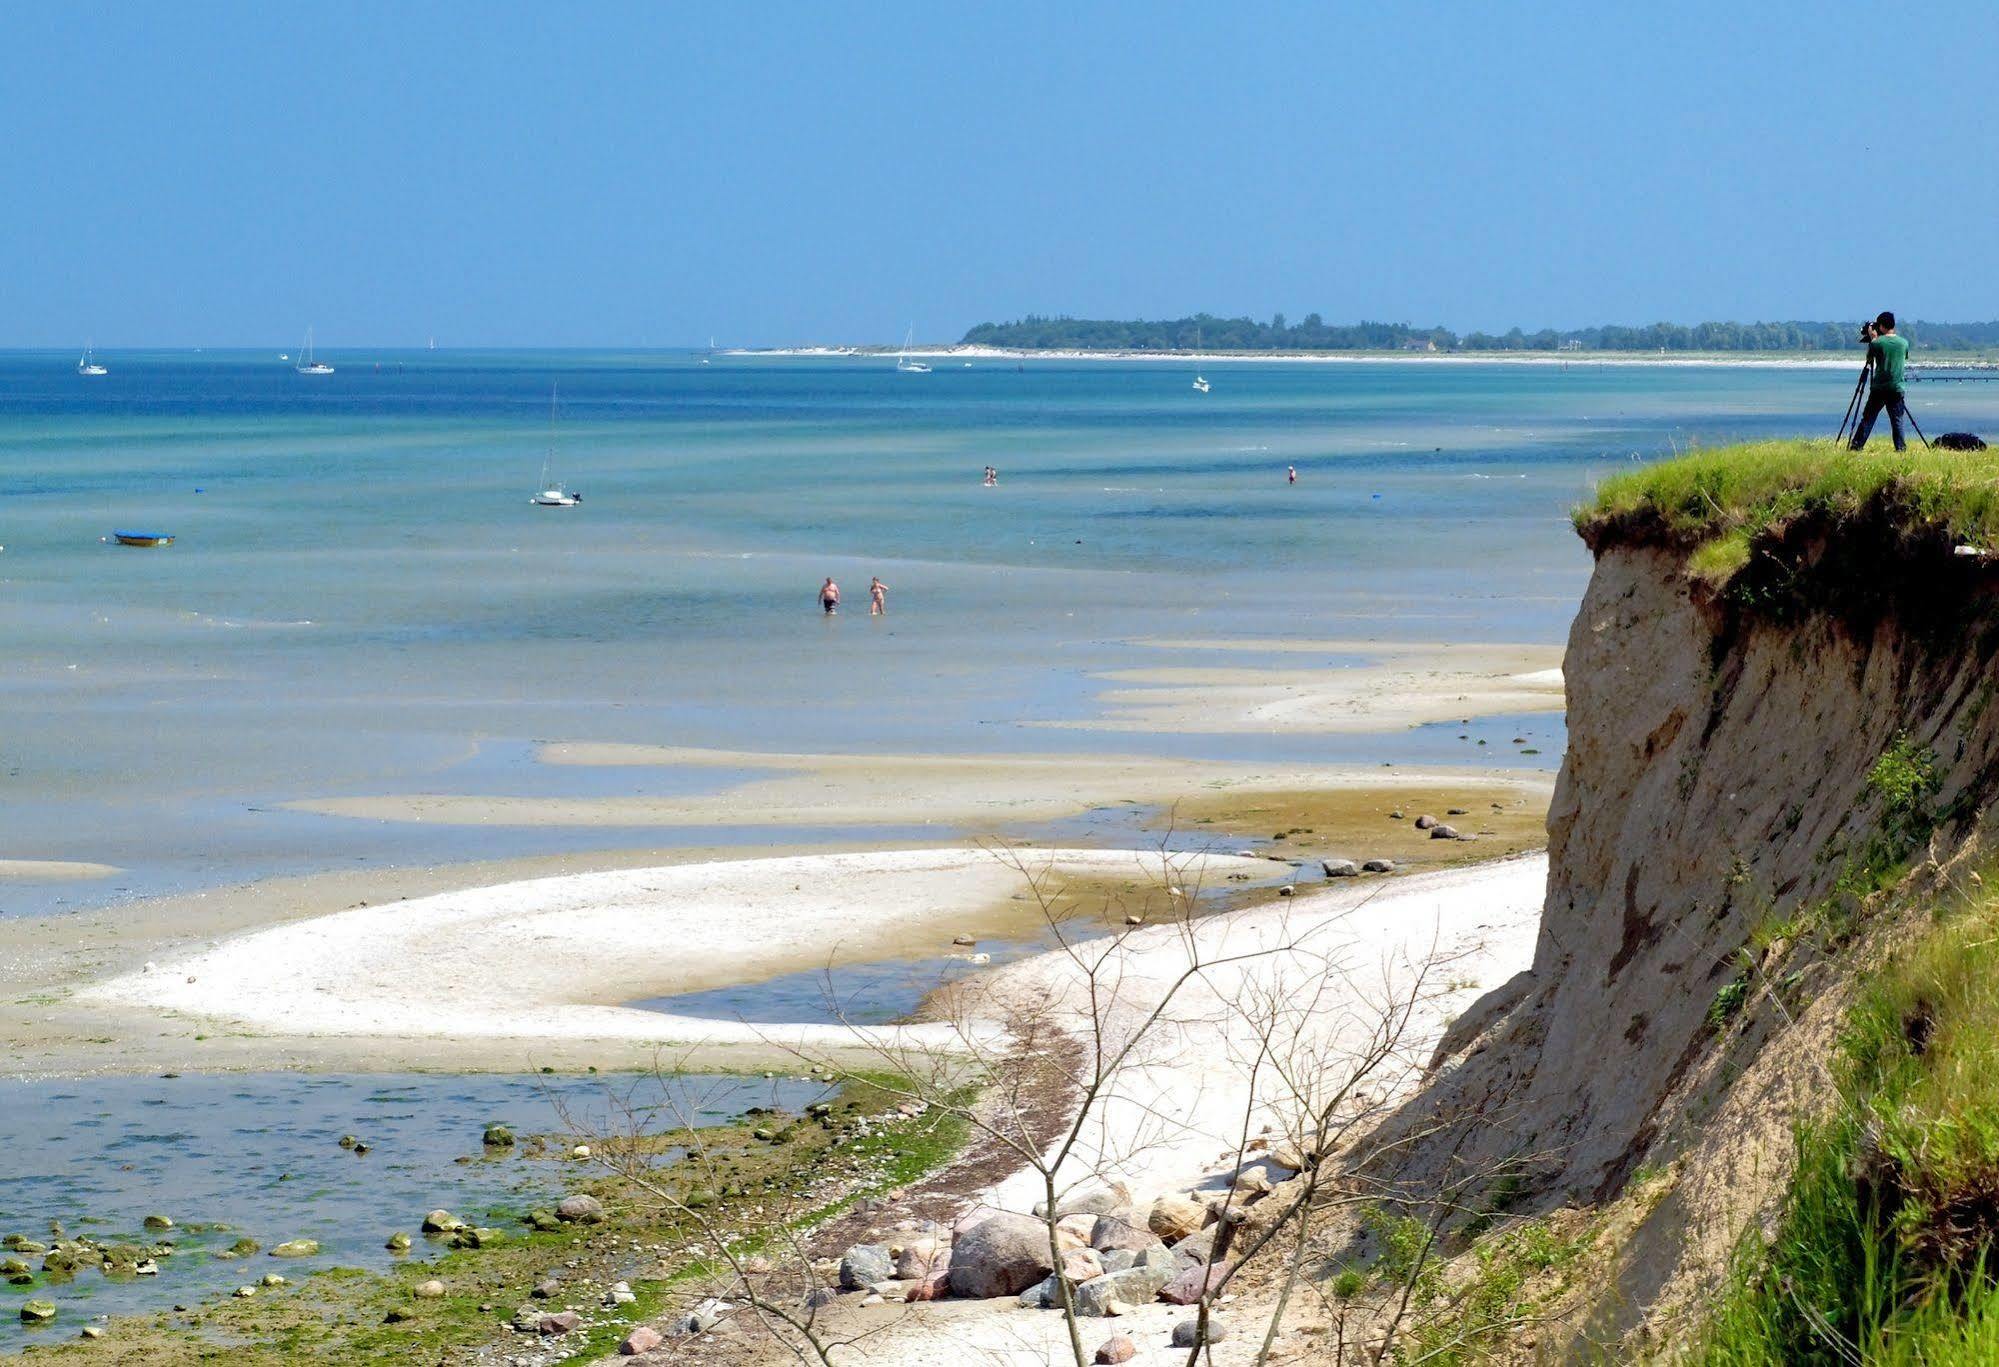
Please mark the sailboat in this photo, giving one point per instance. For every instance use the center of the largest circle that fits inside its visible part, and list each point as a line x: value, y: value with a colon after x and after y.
x: 708, y: 356
x: 902, y: 361
x: 86, y: 366
x: 306, y: 365
x: 1201, y: 385
x: 552, y: 494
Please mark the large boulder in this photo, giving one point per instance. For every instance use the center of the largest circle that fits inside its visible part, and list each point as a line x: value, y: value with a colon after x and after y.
x: 1081, y: 1264
x: 1126, y: 1231
x: 1073, y: 1231
x: 37, y: 1311
x: 1136, y: 1285
x: 863, y: 1265
x: 921, y: 1258
x: 1000, y: 1256
x: 1191, y: 1283
x: 1173, y: 1218
x: 296, y: 1248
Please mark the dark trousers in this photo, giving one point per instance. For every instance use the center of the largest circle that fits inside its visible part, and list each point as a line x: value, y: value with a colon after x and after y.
x: 1878, y: 398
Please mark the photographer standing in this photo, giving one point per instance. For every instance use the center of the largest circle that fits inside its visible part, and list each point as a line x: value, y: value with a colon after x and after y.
x: 1886, y: 354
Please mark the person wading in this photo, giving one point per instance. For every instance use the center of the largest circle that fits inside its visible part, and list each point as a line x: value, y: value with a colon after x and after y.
x: 1886, y: 356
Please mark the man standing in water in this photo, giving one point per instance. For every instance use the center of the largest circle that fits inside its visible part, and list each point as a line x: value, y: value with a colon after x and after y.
x: 1290, y: 474
x: 1885, y: 357
x: 829, y: 595
x: 877, y: 597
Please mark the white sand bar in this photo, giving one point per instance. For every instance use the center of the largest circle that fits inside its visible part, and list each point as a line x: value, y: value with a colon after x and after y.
x: 550, y: 959
x: 1396, y: 687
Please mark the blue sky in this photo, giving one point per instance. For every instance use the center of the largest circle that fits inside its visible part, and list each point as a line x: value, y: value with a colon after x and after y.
x: 515, y: 174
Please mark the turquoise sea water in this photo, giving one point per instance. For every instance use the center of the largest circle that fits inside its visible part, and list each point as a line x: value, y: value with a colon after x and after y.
x: 361, y: 599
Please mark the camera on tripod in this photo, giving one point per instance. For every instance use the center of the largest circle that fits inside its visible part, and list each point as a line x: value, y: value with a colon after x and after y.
x: 1868, y: 332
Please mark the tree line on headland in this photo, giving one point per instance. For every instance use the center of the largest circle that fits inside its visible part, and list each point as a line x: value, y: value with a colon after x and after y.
x: 1205, y: 332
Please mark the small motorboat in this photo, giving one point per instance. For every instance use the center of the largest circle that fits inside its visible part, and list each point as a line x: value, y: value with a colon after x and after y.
x: 1201, y: 384
x: 143, y: 538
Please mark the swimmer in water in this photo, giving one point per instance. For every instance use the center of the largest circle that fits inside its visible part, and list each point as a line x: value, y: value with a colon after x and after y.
x: 877, y: 598
x: 829, y: 596
x: 1290, y: 474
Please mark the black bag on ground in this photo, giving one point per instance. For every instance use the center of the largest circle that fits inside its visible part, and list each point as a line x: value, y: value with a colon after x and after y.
x: 1961, y: 441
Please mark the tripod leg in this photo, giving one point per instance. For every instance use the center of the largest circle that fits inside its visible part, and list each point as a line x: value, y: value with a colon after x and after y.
x: 1852, y: 406
x: 1909, y: 416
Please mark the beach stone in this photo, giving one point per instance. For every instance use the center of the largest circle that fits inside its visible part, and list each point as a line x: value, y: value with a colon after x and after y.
x: 1395, y: 816
x: 497, y: 1137
x: 1425, y: 822
x: 37, y: 1311
x: 91, y: 1331
x: 244, y: 1293
x: 430, y: 1290
x: 1043, y: 1295
x: 527, y: 1319
x: 159, y: 1222
x: 442, y: 1222
x: 1097, y: 1201
x: 1196, y: 1247
x: 245, y: 1246
x: 296, y: 1248
x: 1124, y: 1231
x: 1117, y: 1259
x: 1442, y: 832
x: 643, y: 1339
x: 398, y: 1314
x: 271, y: 1279
x: 1187, y: 1333
x: 1081, y: 1265
x: 934, y: 1287
x: 543, y: 1221
x: 1378, y: 866
x: 1001, y: 1256
x: 348, y: 1141
x: 964, y: 939
x: 1457, y: 811
x: 863, y: 1265
x: 1173, y: 1218
x: 1192, y: 1283
x: 1340, y: 868
x: 398, y: 1242
x: 1116, y: 1348
x: 920, y: 1258
x: 546, y: 1290
x: 1136, y: 1285
x: 1073, y: 1231
x: 549, y: 1326
x: 581, y: 1210
x: 820, y: 1295
x: 704, y: 1316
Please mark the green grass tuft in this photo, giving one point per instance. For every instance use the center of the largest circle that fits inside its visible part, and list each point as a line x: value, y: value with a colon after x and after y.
x: 1715, y: 504
x: 1889, y: 1242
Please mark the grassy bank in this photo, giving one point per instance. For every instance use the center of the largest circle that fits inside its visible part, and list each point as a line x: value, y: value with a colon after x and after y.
x: 1718, y: 505
x: 1885, y: 1252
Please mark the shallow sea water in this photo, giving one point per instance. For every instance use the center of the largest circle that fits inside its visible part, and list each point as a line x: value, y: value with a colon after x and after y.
x: 260, y: 1153
x: 362, y: 600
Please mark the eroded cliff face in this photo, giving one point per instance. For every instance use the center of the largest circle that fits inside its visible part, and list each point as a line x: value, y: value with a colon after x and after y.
x: 1717, y: 779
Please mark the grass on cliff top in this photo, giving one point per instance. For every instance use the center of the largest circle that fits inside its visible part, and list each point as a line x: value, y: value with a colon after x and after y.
x: 1888, y: 1247
x: 1715, y: 503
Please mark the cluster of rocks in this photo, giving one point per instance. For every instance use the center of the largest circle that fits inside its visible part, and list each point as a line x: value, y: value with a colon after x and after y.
x: 1110, y: 1254
x: 62, y: 1257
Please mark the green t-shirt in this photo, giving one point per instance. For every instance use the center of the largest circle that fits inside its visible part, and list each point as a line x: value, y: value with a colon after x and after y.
x: 1888, y: 353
